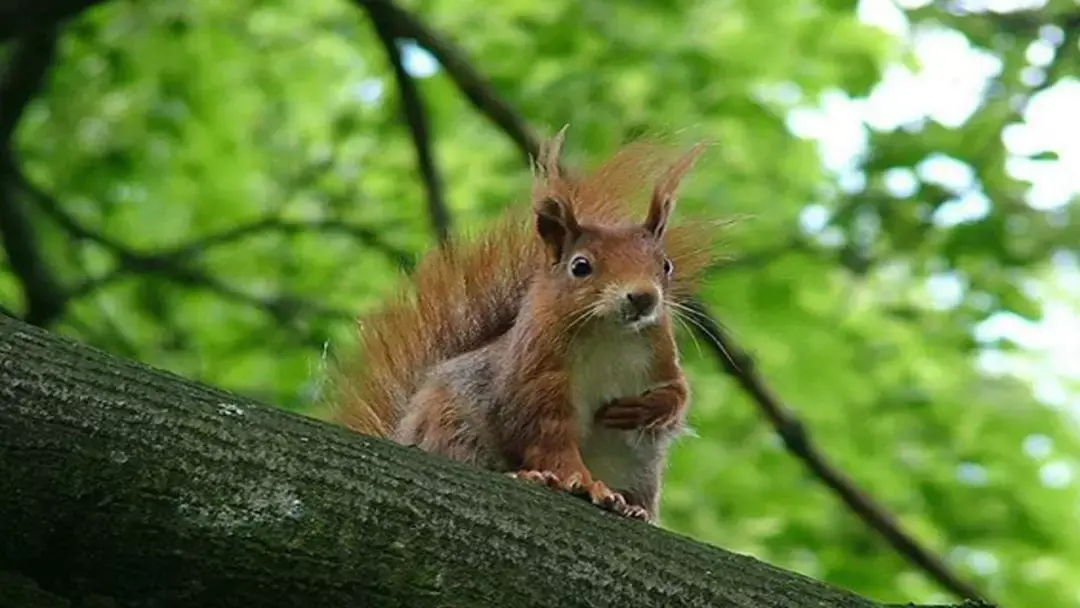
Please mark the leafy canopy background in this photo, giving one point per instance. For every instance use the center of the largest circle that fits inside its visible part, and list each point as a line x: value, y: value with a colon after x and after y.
x: 220, y: 186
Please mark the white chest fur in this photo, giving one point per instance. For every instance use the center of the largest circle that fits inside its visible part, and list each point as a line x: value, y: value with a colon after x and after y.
x: 604, y: 368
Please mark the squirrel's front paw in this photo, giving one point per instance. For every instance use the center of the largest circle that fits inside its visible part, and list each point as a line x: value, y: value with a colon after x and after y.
x: 596, y: 491
x: 646, y: 412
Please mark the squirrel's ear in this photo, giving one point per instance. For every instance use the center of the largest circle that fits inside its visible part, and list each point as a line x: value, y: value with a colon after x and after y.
x: 556, y: 224
x: 663, y: 198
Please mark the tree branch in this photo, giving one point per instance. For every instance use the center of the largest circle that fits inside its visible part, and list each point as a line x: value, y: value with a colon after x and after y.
x: 363, y: 235
x: 474, y: 86
x: 182, y: 254
x: 740, y: 366
x: 283, y: 308
x: 137, y: 487
x: 22, y: 78
x: 42, y: 292
x: 412, y: 107
x: 487, y: 101
x: 28, y: 17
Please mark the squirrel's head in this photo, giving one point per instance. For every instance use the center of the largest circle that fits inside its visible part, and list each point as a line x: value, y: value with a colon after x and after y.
x: 616, y: 273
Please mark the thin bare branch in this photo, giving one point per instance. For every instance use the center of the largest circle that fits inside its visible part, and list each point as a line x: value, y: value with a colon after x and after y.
x: 471, y: 83
x: 365, y: 236
x: 740, y: 366
x: 412, y: 107
x: 283, y: 308
x: 22, y: 78
x: 42, y: 292
x: 182, y: 254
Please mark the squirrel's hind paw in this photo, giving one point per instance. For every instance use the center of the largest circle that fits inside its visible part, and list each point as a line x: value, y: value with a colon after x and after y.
x: 596, y: 492
x: 545, y: 478
x: 640, y: 513
x: 616, y: 503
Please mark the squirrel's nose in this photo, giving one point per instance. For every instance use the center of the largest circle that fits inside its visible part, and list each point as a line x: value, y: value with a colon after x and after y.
x: 642, y: 302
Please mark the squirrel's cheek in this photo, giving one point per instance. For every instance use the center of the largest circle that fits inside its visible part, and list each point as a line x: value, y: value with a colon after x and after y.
x: 610, y: 305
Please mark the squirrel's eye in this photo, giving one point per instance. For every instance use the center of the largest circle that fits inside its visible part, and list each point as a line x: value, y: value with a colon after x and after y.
x: 580, y: 267
x: 668, y: 267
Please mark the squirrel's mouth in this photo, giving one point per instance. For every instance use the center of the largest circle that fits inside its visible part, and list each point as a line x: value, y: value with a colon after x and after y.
x: 636, y: 321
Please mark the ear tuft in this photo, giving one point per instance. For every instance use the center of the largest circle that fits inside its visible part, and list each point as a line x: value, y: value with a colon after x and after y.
x: 550, y: 153
x: 663, y: 198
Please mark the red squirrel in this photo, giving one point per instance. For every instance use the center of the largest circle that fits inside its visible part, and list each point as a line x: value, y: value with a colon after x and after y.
x: 545, y: 349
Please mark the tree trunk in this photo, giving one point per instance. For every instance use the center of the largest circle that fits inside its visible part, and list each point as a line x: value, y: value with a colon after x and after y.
x: 138, y: 488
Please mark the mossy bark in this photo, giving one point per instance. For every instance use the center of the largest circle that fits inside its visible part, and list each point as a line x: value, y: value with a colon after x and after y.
x: 127, y: 486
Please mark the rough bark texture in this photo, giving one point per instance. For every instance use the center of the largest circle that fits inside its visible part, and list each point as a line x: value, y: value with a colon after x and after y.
x: 121, y: 485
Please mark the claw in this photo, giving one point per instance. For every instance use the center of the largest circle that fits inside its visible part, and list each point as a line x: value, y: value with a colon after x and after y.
x: 546, y: 478
x: 596, y: 492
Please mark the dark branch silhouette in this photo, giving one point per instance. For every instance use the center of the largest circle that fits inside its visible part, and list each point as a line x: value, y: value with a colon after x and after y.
x: 184, y: 253
x: 33, y: 17
x: 474, y: 86
x: 412, y: 108
x: 23, y: 76
x: 283, y: 308
x: 741, y: 367
x: 46, y: 298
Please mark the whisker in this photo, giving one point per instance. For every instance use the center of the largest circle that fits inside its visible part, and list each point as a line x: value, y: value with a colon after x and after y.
x: 592, y: 312
x: 700, y: 316
x: 677, y: 315
x: 700, y: 320
x: 689, y: 310
x: 578, y: 319
x: 688, y: 319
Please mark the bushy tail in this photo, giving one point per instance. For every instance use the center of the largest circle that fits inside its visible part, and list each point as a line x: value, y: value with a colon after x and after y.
x: 459, y: 298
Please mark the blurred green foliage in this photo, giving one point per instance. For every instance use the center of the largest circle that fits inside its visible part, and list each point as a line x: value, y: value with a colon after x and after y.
x: 166, y: 123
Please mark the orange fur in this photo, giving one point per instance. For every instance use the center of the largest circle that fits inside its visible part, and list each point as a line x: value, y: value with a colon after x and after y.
x: 459, y: 298
x: 469, y: 293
